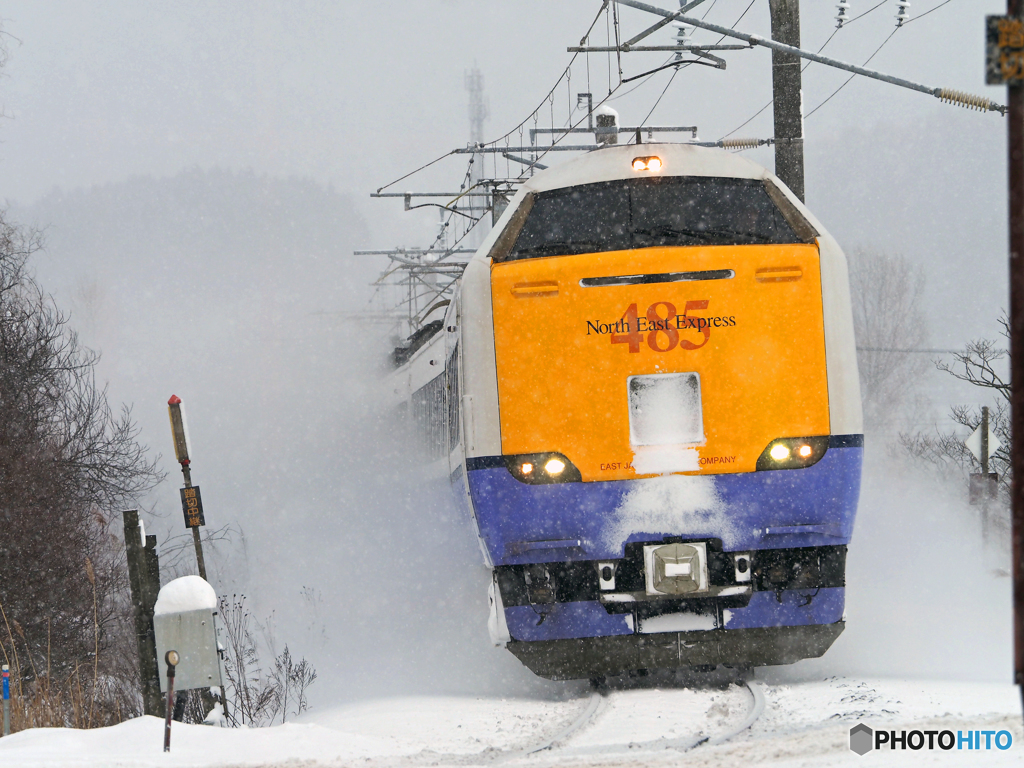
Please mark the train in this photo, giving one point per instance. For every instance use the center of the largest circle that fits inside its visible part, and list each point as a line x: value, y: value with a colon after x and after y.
x: 645, y: 393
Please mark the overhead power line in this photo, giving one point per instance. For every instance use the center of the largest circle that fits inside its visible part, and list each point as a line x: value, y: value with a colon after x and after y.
x: 967, y: 100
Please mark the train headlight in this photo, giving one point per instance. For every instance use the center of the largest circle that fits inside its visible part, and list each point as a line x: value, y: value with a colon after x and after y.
x: 554, y: 467
x: 542, y: 468
x: 793, y: 452
x: 650, y: 163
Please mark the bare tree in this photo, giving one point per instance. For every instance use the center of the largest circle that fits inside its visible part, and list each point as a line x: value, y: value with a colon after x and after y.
x: 984, y: 364
x: 68, y: 464
x: 886, y: 293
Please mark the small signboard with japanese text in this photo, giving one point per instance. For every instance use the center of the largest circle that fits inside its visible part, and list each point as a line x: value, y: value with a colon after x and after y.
x: 192, y: 506
x: 1004, y: 50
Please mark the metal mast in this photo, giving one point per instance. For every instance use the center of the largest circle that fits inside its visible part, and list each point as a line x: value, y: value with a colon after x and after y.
x: 479, y: 111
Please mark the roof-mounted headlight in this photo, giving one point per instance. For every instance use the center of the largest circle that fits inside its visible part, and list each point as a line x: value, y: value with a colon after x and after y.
x: 650, y: 163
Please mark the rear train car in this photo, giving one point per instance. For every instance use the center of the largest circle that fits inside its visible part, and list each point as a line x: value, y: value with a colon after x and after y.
x: 647, y: 391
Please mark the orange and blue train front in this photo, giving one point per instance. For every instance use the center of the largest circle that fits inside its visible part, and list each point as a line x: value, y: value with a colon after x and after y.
x: 669, y: 491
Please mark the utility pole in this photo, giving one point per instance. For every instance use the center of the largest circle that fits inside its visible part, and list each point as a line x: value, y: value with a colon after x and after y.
x: 788, y: 96
x: 1004, y: 65
x: 1015, y: 161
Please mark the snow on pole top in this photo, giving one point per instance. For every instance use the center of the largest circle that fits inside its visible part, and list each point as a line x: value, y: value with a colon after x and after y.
x: 189, y: 593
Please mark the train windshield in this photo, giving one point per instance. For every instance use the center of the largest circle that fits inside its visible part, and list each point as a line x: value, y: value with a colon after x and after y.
x: 644, y: 213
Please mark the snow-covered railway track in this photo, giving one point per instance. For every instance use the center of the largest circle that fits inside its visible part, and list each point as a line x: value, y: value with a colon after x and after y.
x: 569, y: 741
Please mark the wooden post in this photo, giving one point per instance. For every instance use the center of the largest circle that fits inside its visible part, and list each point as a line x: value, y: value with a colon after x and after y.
x: 196, y: 541
x: 144, y: 580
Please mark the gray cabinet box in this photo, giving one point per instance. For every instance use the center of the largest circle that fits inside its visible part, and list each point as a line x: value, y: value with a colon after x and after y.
x: 193, y: 635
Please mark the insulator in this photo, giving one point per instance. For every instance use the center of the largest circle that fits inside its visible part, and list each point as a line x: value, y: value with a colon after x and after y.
x: 684, y: 34
x: 966, y: 100
x: 902, y: 14
x: 842, y: 13
x: 741, y: 143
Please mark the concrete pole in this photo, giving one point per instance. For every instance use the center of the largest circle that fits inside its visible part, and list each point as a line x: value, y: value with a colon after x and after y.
x: 1015, y: 161
x: 788, y: 96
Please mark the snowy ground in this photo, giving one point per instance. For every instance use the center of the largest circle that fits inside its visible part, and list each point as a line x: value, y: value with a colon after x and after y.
x: 804, y: 724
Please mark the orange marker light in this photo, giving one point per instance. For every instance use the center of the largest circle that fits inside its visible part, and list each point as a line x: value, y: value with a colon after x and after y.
x: 804, y: 451
x: 650, y: 163
x: 527, y: 468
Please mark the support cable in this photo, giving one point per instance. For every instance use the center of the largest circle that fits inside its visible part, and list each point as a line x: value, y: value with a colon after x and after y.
x: 945, y: 94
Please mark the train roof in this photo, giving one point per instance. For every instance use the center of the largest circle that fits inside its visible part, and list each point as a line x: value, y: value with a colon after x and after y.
x: 615, y: 162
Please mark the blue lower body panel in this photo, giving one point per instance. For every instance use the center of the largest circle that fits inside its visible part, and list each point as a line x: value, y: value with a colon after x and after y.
x: 789, y: 608
x: 564, y: 620
x: 522, y: 523
x: 574, y: 530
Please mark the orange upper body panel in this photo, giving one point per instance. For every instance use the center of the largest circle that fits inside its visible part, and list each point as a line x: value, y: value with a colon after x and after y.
x: 565, y: 350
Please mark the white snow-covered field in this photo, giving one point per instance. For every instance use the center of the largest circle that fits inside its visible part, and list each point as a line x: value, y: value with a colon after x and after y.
x: 803, y: 724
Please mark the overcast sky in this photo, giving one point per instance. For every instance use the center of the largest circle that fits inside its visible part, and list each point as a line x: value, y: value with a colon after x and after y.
x: 354, y: 95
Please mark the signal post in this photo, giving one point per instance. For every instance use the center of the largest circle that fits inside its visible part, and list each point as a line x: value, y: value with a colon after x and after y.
x: 191, y: 500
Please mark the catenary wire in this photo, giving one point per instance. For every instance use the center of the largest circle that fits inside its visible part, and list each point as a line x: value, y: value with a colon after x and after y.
x: 517, y: 127
x: 852, y: 76
x: 687, y: 64
x: 772, y: 101
x: 908, y: 21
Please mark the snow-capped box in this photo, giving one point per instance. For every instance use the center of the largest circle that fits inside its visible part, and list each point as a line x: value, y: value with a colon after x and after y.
x: 183, y: 621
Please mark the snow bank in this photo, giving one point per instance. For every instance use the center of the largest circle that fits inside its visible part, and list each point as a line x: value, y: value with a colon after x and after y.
x: 803, y: 725
x: 189, y: 593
